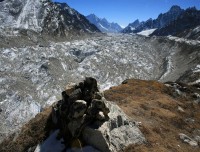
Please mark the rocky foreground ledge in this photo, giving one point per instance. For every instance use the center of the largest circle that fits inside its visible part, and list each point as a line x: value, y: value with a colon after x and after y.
x: 82, y: 120
x: 167, y: 120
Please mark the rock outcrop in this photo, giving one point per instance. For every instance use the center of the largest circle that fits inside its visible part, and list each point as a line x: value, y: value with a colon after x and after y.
x: 42, y: 16
x: 84, y: 114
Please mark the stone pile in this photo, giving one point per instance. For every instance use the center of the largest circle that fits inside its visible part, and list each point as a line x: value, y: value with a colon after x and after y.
x: 84, y: 116
x: 81, y: 105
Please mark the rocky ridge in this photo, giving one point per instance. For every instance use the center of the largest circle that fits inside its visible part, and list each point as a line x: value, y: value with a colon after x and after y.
x: 103, y: 25
x: 188, y: 19
x: 83, y: 115
x: 168, y: 113
x: 40, y: 20
x: 176, y: 22
x: 163, y: 20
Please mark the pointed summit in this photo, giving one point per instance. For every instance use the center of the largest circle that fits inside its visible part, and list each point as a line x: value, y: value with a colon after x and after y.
x: 175, y: 8
x: 103, y: 24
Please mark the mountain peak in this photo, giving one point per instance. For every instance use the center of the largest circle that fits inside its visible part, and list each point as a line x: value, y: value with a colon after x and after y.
x: 43, y: 16
x: 175, y: 8
x: 103, y: 24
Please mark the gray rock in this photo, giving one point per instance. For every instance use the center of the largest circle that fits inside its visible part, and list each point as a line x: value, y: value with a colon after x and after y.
x: 187, y: 139
x: 100, y: 116
x: 78, y: 109
x: 115, y: 134
x: 70, y: 88
x: 74, y: 126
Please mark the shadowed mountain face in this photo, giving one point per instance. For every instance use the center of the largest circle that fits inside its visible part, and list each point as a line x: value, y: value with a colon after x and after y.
x: 189, y: 19
x: 43, y: 16
x: 103, y: 25
x: 131, y: 27
x: 193, y: 33
x: 161, y: 21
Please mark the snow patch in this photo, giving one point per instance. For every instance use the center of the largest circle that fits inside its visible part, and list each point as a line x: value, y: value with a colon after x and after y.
x: 51, y: 144
x: 197, y: 69
x: 187, y: 41
x: 146, y: 32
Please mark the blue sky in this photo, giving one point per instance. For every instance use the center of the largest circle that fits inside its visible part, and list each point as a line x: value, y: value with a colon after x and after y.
x: 126, y: 11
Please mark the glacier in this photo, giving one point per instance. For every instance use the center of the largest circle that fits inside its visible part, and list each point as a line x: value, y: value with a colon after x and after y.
x: 32, y: 77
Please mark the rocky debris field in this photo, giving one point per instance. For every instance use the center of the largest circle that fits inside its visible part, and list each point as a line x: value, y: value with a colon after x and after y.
x: 32, y: 77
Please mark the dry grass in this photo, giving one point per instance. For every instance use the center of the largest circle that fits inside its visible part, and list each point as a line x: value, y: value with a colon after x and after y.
x: 151, y: 103
x: 31, y: 134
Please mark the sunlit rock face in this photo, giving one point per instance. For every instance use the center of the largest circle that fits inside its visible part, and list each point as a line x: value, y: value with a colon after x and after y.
x: 43, y: 16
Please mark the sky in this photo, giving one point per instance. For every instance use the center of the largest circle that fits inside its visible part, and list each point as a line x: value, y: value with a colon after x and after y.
x: 124, y: 12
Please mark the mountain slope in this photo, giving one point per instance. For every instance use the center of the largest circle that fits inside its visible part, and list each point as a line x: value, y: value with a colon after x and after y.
x: 161, y: 21
x: 189, y: 19
x: 164, y: 111
x: 192, y: 33
x: 103, y: 25
x: 43, y: 16
x: 131, y: 27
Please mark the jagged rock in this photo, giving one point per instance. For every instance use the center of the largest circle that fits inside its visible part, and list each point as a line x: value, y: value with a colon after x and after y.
x: 70, y: 88
x: 78, y: 109
x: 188, y: 140
x: 114, y: 134
x: 180, y: 109
x: 83, y: 114
x: 98, y: 95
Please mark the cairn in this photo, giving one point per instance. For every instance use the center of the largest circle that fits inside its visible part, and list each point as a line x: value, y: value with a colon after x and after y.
x: 81, y: 105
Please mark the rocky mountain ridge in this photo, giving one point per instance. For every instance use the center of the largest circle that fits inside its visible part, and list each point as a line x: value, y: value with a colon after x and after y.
x: 103, y: 25
x: 187, y: 20
x: 44, y: 17
x: 161, y: 21
x: 176, y: 22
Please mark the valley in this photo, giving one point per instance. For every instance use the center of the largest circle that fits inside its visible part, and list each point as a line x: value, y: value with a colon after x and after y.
x: 32, y: 77
x: 69, y: 79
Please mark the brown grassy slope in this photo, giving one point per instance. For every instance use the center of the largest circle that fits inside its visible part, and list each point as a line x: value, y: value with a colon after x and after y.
x: 150, y: 103
x: 30, y: 135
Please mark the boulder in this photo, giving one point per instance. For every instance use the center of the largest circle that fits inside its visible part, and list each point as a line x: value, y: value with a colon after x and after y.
x: 77, y: 109
x: 70, y: 88
x: 114, y: 134
x: 187, y: 139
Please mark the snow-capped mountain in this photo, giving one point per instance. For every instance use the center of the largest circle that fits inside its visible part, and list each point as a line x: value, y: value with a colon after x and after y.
x: 103, y: 25
x: 131, y: 27
x: 161, y: 21
x: 186, y: 22
x: 43, y: 16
